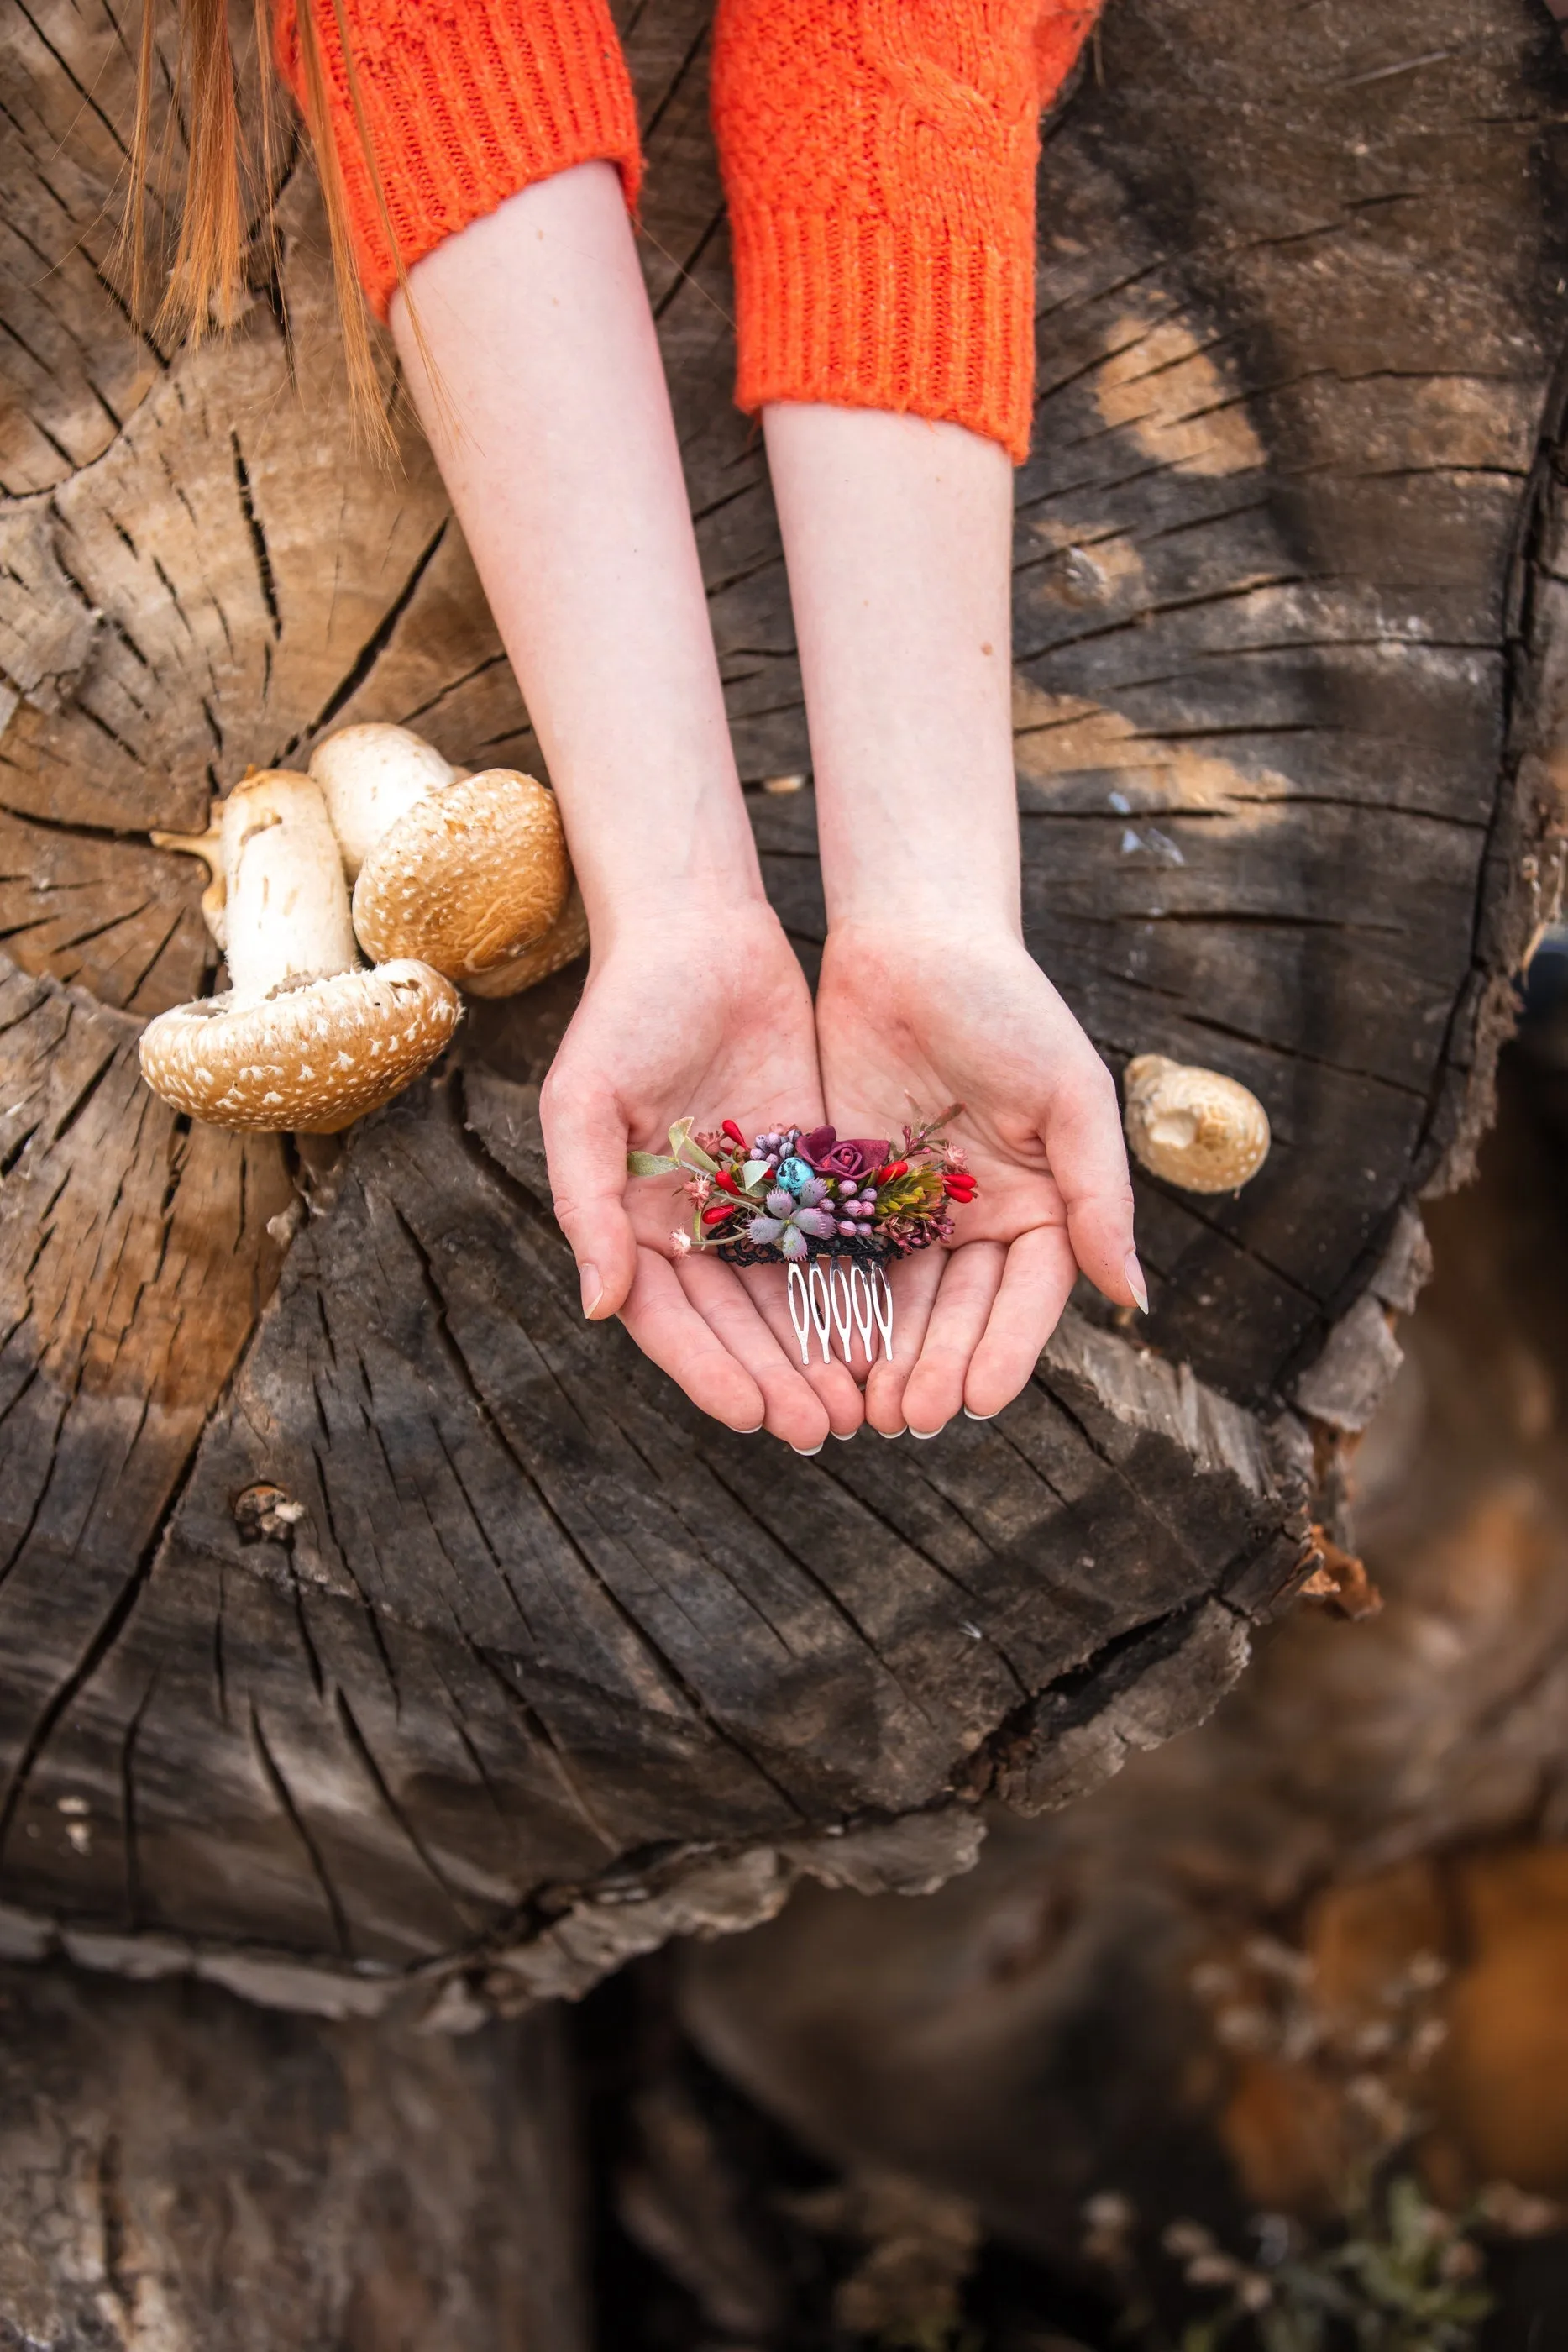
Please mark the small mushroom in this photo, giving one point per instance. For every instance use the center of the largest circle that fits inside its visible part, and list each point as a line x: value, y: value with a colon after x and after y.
x: 209, y: 846
x: 468, y: 878
x: 371, y: 776
x: 565, y: 940
x: 1193, y: 1127
x: 301, y: 1040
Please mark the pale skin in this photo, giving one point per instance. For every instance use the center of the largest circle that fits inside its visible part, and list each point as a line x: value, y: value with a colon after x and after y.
x: 552, y: 428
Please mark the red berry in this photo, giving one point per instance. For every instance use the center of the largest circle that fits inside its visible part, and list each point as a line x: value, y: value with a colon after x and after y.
x: 894, y: 1167
x: 716, y: 1210
x: 724, y: 1181
x: 729, y: 1128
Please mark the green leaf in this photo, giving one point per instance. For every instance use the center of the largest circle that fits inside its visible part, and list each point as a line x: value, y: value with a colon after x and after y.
x: 753, y: 1172
x: 651, y: 1163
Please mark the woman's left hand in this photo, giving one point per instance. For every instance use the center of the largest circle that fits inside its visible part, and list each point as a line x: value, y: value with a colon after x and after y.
x: 908, y: 1022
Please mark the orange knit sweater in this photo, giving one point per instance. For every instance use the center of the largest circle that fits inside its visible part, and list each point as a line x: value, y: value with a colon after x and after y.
x: 878, y: 159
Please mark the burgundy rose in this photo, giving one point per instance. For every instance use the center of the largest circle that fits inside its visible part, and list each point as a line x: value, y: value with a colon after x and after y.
x: 858, y: 1156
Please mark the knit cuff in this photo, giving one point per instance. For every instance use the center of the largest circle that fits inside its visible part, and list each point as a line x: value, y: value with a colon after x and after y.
x: 910, y: 315
x: 466, y: 102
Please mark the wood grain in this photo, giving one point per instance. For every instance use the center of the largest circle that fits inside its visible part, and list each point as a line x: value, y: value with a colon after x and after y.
x: 185, y: 2174
x: 548, y: 1668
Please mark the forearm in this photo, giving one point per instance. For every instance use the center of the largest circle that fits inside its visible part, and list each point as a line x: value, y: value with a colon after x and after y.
x: 551, y: 425
x: 898, y: 538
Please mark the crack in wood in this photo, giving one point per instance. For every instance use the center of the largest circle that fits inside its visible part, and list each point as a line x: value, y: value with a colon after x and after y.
x: 291, y: 1812
x: 461, y: 1911
x: 375, y: 644
x: 499, y: 1507
x: 263, y: 572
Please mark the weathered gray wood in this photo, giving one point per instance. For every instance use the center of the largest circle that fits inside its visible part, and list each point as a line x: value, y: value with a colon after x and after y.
x: 539, y: 1616
x: 549, y: 1668
x: 184, y: 2174
x: 1370, y: 1792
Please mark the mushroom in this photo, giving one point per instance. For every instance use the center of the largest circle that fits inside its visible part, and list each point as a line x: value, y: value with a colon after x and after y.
x: 468, y: 879
x: 466, y: 872
x: 565, y: 940
x: 1194, y: 1127
x: 301, y: 1040
x: 371, y: 776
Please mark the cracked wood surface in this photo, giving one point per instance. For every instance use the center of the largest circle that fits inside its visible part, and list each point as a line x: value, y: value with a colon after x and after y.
x: 546, y: 1667
x: 1354, y: 1799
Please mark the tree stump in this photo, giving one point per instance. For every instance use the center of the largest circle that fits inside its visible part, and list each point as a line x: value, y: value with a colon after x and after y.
x: 1371, y: 1794
x: 545, y: 1668
x: 184, y: 2174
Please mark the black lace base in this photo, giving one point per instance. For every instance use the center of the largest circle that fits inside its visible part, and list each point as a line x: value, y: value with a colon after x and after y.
x: 869, y: 1249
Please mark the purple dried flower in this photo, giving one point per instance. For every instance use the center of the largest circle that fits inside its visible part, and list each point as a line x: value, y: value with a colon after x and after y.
x: 788, y: 1226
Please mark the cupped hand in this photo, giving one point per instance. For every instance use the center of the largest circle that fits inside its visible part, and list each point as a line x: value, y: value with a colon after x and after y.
x: 908, y: 1022
x: 704, y: 1012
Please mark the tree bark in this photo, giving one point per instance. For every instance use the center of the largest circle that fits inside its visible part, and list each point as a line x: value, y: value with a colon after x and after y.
x: 549, y: 1668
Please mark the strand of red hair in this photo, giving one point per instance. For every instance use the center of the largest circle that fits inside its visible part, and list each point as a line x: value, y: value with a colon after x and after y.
x: 229, y: 184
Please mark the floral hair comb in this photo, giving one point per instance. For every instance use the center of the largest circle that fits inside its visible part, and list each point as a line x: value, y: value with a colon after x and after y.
x: 834, y: 1211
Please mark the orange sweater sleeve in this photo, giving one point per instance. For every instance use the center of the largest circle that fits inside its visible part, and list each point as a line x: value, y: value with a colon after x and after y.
x: 879, y: 159
x: 466, y: 102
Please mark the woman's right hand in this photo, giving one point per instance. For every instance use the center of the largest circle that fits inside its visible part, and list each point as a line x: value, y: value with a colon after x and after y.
x: 1042, y: 1131
x: 702, y: 1013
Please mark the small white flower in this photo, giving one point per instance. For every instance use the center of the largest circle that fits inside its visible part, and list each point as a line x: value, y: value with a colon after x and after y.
x: 681, y: 1244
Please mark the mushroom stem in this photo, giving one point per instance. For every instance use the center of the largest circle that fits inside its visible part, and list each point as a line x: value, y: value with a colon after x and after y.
x: 287, y: 903
x: 209, y: 846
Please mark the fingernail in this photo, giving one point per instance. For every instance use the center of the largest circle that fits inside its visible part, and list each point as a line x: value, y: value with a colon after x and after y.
x: 592, y: 1288
x: 979, y: 1416
x: 805, y: 1452
x: 895, y: 1433
x: 844, y: 1436
x: 924, y: 1434
x: 750, y: 1433
x: 1135, y: 1283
